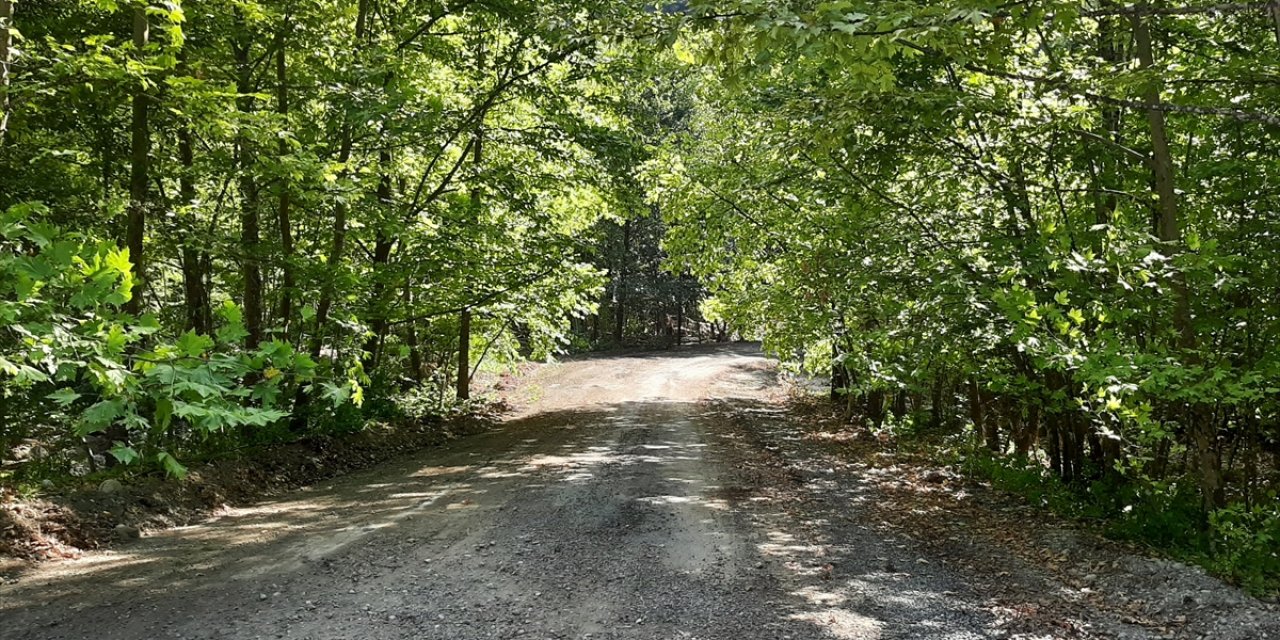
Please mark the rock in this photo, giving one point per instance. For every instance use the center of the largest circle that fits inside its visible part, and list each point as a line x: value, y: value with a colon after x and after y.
x: 46, y: 484
x: 126, y: 532
x: 110, y: 486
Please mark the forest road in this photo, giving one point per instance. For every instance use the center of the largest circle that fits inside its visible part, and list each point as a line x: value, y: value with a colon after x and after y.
x: 612, y: 506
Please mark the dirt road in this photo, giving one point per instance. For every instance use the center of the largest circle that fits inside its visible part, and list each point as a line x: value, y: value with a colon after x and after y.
x: 612, y: 506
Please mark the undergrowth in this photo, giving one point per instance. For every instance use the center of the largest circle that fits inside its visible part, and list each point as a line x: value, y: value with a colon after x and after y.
x: 1239, y: 543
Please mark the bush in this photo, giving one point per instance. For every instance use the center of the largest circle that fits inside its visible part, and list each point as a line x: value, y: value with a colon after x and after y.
x: 1245, y: 545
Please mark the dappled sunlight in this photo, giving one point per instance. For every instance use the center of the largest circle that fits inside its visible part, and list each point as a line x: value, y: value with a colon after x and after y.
x: 268, y: 537
x: 436, y: 472
x: 843, y: 624
x: 845, y: 577
x: 399, y: 496
x: 816, y: 596
x: 594, y: 455
x: 785, y: 545
x: 494, y: 474
x: 857, y: 605
x: 668, y: 500
x: 107, y: 561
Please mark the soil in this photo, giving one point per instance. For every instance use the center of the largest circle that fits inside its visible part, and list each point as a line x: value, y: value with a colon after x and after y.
x: 82, y: 514
x: 672, y: 495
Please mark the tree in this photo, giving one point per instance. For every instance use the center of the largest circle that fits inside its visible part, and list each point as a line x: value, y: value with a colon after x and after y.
x: 6, y: 46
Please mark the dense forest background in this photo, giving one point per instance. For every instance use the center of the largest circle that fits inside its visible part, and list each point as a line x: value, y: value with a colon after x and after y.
x: 1041, y: 232
x: 248, y: 221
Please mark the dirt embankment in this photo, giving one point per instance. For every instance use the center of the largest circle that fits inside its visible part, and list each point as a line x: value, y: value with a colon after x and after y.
x: 67, y: 519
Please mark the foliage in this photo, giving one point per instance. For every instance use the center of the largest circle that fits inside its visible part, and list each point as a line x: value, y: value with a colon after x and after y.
x: 1244, y: 540
x: 283, y: 211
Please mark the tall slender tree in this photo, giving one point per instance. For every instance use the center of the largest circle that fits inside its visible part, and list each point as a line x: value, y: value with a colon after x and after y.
x: 140, y: 166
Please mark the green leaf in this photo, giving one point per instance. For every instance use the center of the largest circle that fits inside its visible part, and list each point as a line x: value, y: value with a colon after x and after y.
x: 125, y: 454
x: 64, y: 397
x: 171, y: 466
x: 193, y: 345
x: 164, y: 413
x: 100, y: 416
x: 337, y: 394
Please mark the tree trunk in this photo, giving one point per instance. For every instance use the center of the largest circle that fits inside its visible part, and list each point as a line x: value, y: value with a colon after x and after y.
x: 1168, y: 230
x: 1107, y: 179
x: 680, y: 323
x: 139, y: 176
x: 839, y: 372
x: 620, y: 286
x: 936, y: 399
x: 875, y: 407
x: 463, y: 387
x: 284, y: 205
x: 378, y: 315
x: 337, y: 247
x: 139, y: 173
x: 1166, y: 223
x: 250, y: 235
x: 899, y: 405
x: 6, y: 39
x: 1067, y: 448
x: 464, y: 355
x: 1054, y: 445
x: 1275, y: 19
x: 382, y: 247
x: 1026, y: 435
x: 411, y: 337
x: 195, y: 293
x: 987, y: 430
x: 1160, y: 463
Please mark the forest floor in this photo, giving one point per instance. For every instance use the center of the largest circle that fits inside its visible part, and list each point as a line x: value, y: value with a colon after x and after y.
x: 669, y: 495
